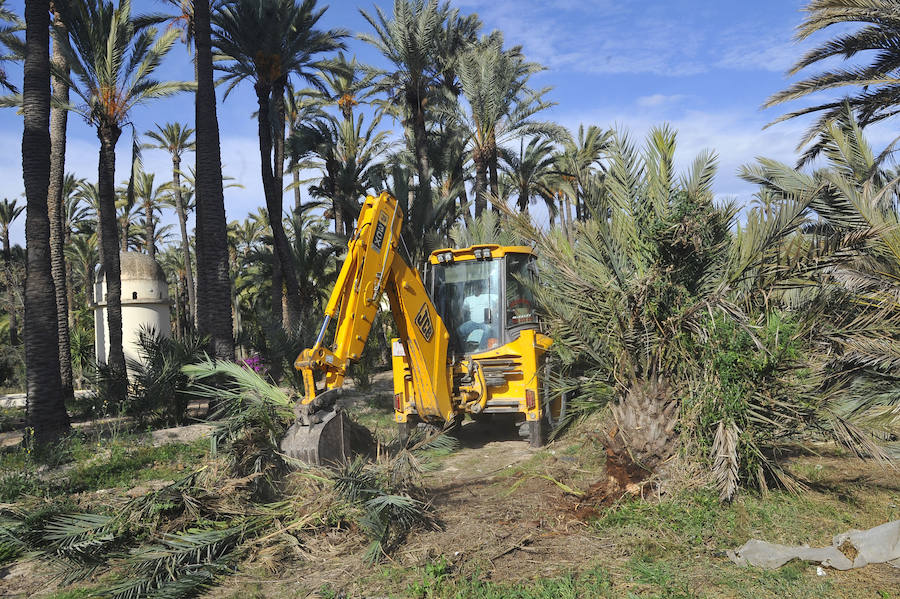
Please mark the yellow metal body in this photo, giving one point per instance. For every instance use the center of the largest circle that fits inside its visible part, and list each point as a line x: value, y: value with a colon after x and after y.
x: 428, y: 383
x: 498, y: 380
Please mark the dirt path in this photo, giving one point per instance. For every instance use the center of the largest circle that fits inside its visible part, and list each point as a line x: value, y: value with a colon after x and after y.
x: 499, y: 516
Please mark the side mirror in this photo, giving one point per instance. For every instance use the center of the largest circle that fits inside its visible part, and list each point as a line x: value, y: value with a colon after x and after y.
x: 487, y: 315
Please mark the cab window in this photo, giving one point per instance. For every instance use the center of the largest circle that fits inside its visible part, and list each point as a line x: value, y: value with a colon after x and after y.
x: 519, y: 299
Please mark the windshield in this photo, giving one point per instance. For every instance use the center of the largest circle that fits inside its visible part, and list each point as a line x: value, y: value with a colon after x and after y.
x: 467, y: 298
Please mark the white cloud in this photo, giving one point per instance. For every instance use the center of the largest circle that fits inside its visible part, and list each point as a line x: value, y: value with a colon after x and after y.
x: 655, y: 100
x: 641, y: 38
x: 737, y: 137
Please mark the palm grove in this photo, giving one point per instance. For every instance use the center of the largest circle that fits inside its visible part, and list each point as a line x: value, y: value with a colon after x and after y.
x: 710, y: 338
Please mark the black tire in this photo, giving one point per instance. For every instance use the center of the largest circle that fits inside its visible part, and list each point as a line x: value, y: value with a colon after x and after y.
x: 537, y: 434
x: 403, y: 431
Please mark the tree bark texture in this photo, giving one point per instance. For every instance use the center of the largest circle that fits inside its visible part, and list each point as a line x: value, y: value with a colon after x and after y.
x: 185, y: 242
x: 45, y: 411
x: 420, y: 139
x: 57, y: 211
x: 495, y: 180
x: 273, y: 203
x: 295, y: 174
x: 213, y: 277
x: 149, y: 228
x: 480, y: 187
x: 277, y: 291
x: 109, y: 244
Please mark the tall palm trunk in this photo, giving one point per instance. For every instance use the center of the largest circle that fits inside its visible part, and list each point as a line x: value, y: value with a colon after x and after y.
x: 495, y: 179
x: 273, y: 202
x: 45, y: 410
x: 295, y: 173
x: 149, y: 228
x: 185, y: 242
x: 235, y: 306
x: 56, y: 210
x: 420, y: 141
x: 70, y: 288
x: 213, y: 277
x: 480, y: 187
x: 109, y: 244
x: 277, y: 291
x: 459, y: 176
x: 523, y: 202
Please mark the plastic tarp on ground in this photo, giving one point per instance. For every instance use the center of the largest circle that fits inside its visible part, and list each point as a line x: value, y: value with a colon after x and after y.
x: 851, y: 549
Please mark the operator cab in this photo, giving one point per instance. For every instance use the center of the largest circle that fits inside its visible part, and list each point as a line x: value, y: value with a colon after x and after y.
x: 481, y: 296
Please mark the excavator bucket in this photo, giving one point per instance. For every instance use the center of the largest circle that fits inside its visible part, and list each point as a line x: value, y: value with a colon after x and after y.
x: 323, y: 443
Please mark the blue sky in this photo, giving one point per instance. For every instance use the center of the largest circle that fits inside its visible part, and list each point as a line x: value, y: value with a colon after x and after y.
x: 704, y: 67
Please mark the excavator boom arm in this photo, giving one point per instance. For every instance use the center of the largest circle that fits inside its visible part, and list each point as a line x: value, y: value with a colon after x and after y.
x: 373, y: 266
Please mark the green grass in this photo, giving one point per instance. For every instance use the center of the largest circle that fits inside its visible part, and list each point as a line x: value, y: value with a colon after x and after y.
x: 70, y: 594
x: 377, y: 414
x: 90, y: 464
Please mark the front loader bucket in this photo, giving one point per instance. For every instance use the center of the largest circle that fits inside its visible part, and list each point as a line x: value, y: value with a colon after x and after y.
x: 326, y: 443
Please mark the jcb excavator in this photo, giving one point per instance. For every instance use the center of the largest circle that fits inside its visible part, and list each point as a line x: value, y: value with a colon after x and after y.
x: 469, y: 338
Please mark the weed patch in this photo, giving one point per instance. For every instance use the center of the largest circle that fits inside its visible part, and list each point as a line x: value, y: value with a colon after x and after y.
x: 79, y: 465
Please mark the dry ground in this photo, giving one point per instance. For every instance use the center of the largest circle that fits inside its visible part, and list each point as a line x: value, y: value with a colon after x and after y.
x: 509, y: 527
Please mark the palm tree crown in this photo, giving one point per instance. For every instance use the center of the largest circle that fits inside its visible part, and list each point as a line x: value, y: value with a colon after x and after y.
x: 879, y: 79
x: 265, y: 41
x: 113, y: 58
x: 9, y: 24
x: 9, y: 211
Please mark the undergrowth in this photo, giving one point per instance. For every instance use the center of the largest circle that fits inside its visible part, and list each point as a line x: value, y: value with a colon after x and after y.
x: 243, y: 506
x: 83, y: 463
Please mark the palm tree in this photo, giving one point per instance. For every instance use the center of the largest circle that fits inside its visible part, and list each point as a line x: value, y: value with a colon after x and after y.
x: 9, y: 212
x: 55, y: 203
x: 113, y: 58
x: 409, y: 40
x: 172, y: 262
x: 151, y: 200
x: 243, y: 239
x: 632, y: 294
x: 76, y: 218
x: 344, y: 85
x: 82, y: 255
x: 576, y: 164
x: 175, y: 138
x: 45, y: 411
x: 130, y: 237
x: 266, y: 41
x: 501, y: 107
x: 877, y: 96
x: 9, y: 24
x: 346, y: 153
x: 456, y: 37
x: 531, y: 173
x: 855, y: 206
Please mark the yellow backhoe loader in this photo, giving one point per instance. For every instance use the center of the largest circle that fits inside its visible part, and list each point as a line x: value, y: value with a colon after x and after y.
x: 469, y: 337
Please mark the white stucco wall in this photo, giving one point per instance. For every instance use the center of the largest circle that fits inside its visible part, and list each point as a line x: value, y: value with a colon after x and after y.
x: 145, y: 304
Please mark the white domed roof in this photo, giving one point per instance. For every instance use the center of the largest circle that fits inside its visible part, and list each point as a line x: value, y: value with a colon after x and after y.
x: 136, y: 266
x: 143, y: 281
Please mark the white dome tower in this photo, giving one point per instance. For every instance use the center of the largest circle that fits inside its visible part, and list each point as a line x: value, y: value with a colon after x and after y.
x: 145, y: 304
